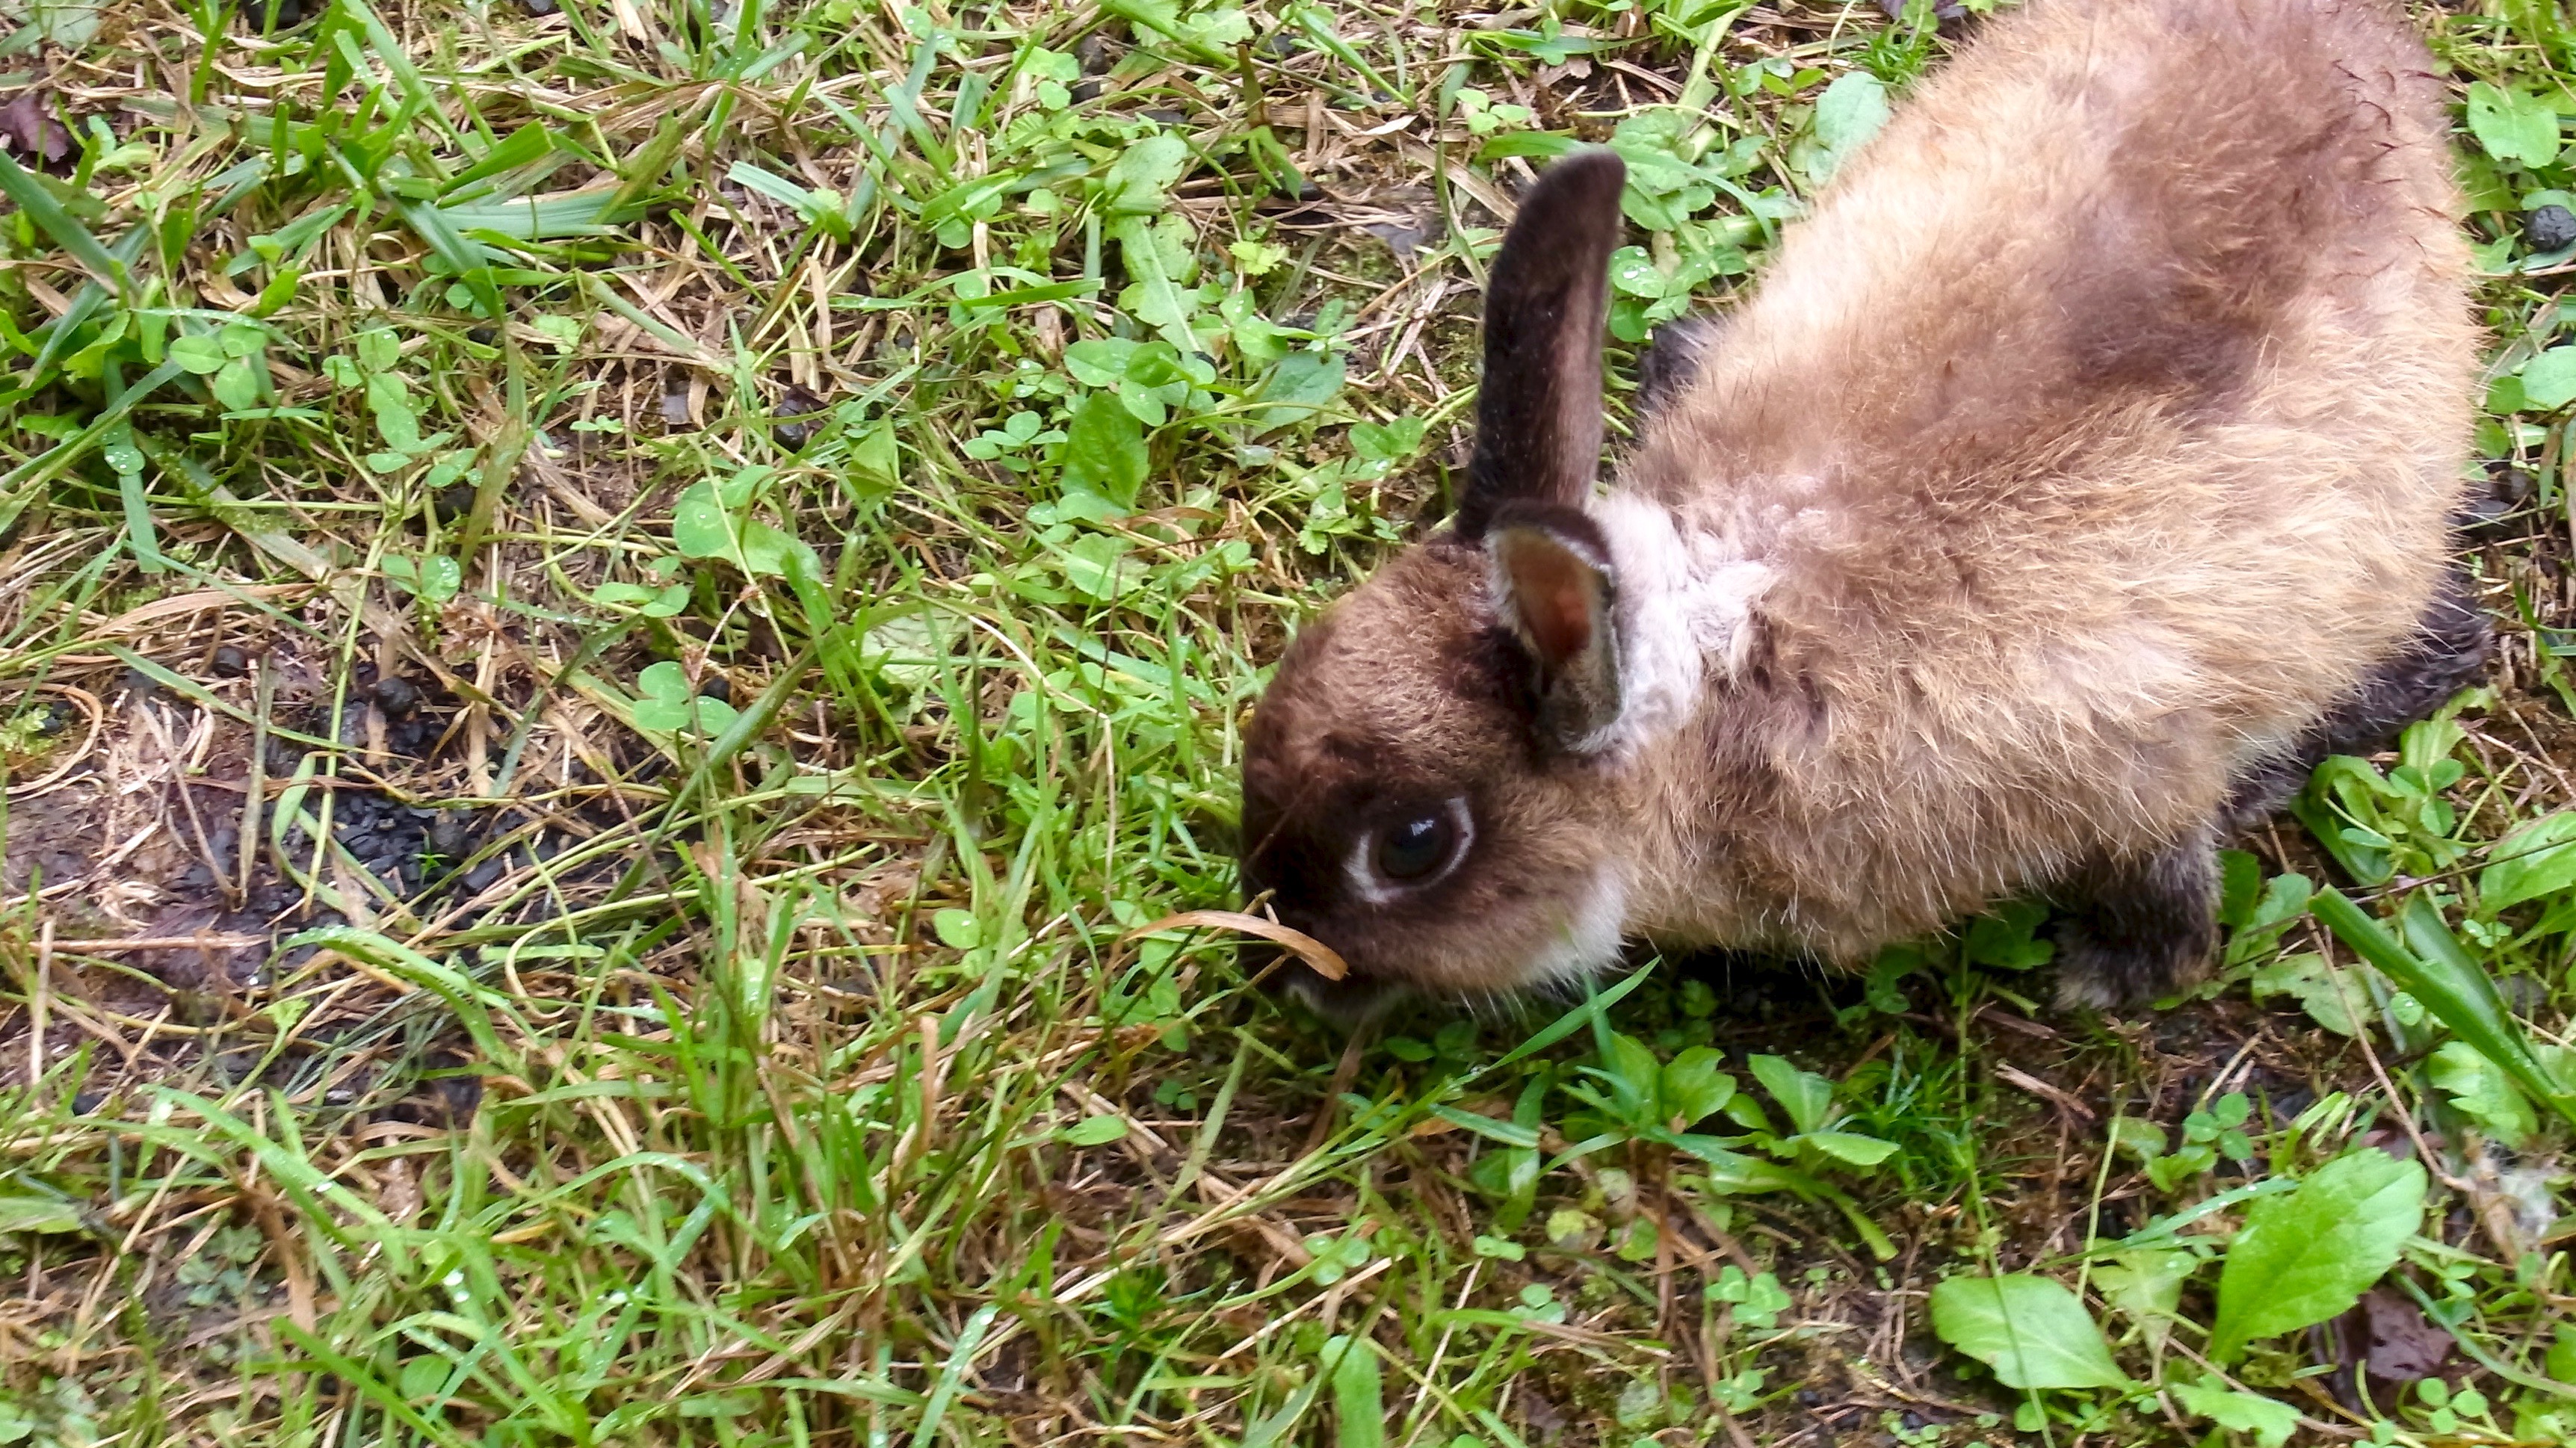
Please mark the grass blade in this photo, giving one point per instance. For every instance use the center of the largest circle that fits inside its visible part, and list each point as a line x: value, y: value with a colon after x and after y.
x: 2450, y: 984
x: 54, y: 221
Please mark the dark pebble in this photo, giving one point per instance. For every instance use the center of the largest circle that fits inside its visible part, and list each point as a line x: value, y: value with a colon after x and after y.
x: 396, y: 695
x: 1167, y: 117
x: 231, y: 662
x: 540, y: 7
x: 795, y: 402
x: 1085, y: 91
x: 461, y: 1095
x: 2487, y: 512
x: 1277, y: 45
x: 451, y: 832
x: 2550, y: 228
x: 718, y: 688
x: 1094, y: 53
x: 139, y: 685
x: 455, y: 503
x: 481, y: 336
x: 86, y: 1102
x: 480, y: 878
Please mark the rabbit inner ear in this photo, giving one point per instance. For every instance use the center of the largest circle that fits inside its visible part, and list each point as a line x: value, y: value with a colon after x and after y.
x: 1554, y: 591
x: 1538, y: 409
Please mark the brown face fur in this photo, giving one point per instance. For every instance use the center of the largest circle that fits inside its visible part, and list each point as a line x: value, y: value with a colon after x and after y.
x: 1403, y: 701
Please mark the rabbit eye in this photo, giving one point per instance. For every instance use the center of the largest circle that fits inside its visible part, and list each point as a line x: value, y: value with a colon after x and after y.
x: 1413, y: 849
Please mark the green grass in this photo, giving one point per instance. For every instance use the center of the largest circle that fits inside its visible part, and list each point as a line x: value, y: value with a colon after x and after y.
x: 980, y: 395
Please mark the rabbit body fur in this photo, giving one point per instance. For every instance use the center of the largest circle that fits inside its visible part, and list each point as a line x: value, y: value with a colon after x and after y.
x: 2076, y: 474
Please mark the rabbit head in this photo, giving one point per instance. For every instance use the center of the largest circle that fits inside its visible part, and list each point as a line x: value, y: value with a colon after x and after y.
x: 1427, y: 784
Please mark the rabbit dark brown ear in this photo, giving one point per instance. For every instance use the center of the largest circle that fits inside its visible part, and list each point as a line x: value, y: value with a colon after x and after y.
x: 1555, y: 592
x: 1538, y: 414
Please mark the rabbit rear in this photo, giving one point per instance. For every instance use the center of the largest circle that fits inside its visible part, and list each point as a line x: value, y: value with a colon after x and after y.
x: 2076, y: 473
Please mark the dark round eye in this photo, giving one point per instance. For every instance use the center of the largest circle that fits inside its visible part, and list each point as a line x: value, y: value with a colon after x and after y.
x: 1415, y: 848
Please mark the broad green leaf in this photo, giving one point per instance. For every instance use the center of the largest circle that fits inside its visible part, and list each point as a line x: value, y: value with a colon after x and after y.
x: 2512, y: 126
x: 2008, y: 938
x: 1298, y: 388
x: 2240, y: 879
x: 1140, y: 180
x: 1100, y: 566
x: 1100, y: 361
x: 390, y: 401
x: 2307, y: 977
x: 1094, y: 1131
x: 699, y: 528
x: 666, y: 704
x: 1693, y: 1088
x: 2270, y: 1422
x: 651, y: 602
x: 2031, y: 1330
x: 958, y: 929
x: 1160, y: 253
x: 68, y: 24
x: 37, y: 1214
x: 2483, y: 1092
x: 435, y: 578
x: 2307, y: 1255
x: 201, y: 354
x: 1632, y: 1073
x: 2549, y: 380
x: 1104, y: 449
x: 1849, y: 112
x: 1359, y: 1396
x: 2537, y: 859
x: 2145, y: 1286
x: 1391, y: 443
x: 1633, y: 270
x: 237, y: 384
x: 876, y: 458
x: 1849, y: 1147
x: 1806, y: 1096
x: 766, y: 550
x: 378, y: 349
x: 2138, y: 1137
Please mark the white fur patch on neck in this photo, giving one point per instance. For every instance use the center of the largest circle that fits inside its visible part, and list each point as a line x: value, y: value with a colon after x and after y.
x: 1589, y: 940
x: 1684, y: 601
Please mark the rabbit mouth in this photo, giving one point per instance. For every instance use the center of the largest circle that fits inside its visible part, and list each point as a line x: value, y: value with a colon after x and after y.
x: 1349, y: 1003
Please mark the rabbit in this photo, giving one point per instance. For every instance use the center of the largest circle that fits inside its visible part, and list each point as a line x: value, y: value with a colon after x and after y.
x: 2077, y: 476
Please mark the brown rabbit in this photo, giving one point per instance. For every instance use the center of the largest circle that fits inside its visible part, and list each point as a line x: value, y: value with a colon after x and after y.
x: 2077, y: 477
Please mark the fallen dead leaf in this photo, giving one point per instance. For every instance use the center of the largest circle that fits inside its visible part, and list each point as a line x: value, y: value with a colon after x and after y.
x: 28, y: 123
x: 1296, y: 942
